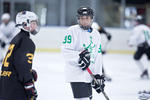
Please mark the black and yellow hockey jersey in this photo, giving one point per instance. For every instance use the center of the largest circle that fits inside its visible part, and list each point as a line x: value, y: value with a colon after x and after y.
x: 16, y: 67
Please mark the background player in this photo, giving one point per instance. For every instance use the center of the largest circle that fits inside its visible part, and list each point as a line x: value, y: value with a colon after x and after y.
x: 101, y: 30
x: 7, y: 32
x: 141, y: 39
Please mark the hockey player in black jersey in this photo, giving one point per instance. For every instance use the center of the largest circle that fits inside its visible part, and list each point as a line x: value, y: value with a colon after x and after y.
x: 17, y: 76
x: 101, y: 30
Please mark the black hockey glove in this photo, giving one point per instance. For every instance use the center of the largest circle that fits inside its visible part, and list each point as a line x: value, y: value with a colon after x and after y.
x: 98, y: 87
x: 34, y: 74
x: 3, y: 44
x: 103, y: 51
x: 84, y: 60
x: 30, y: 90
x: 109, y: 36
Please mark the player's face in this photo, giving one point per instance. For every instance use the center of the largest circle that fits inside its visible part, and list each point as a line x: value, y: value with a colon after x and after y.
x: 85, y: 20
x: 5, y: 21
x: 33, y: 25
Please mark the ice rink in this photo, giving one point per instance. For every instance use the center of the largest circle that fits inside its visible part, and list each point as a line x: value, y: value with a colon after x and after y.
x: 125, y: 75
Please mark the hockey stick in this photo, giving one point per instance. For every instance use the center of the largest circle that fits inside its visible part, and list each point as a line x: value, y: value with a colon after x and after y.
x: 91, y: 74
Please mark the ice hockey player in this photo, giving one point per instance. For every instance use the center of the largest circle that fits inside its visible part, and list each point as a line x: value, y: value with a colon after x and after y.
x: 7, y: 32
x: 101, y: 30
x: 141, y: 39
x: 7, y: 28
x: 17, y: 77
x: 104, y: 51
x: 81, y: 49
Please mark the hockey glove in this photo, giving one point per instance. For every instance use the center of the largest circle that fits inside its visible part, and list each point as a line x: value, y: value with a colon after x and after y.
x: 30, y: 91
x: 34, y: 74
x: 103, y: 51
x: 84, y: 60
x: 100, y: 86
x: 109, y: 36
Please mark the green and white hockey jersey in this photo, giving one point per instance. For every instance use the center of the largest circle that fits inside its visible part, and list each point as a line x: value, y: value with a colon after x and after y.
x: 74, y: 42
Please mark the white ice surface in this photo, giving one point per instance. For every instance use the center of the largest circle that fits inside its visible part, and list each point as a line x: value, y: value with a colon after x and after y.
x: 125, y: 76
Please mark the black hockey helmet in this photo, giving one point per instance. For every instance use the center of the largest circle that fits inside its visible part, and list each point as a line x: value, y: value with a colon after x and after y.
x: 85, y: 11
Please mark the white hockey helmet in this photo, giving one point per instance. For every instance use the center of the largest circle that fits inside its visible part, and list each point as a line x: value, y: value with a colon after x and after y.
x: 95, y: 25
x: 139, y: 19
x: 5, y: 16
x: 24, y: 18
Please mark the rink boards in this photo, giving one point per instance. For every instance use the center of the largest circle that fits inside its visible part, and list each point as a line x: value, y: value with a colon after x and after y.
x: 49, y: 40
